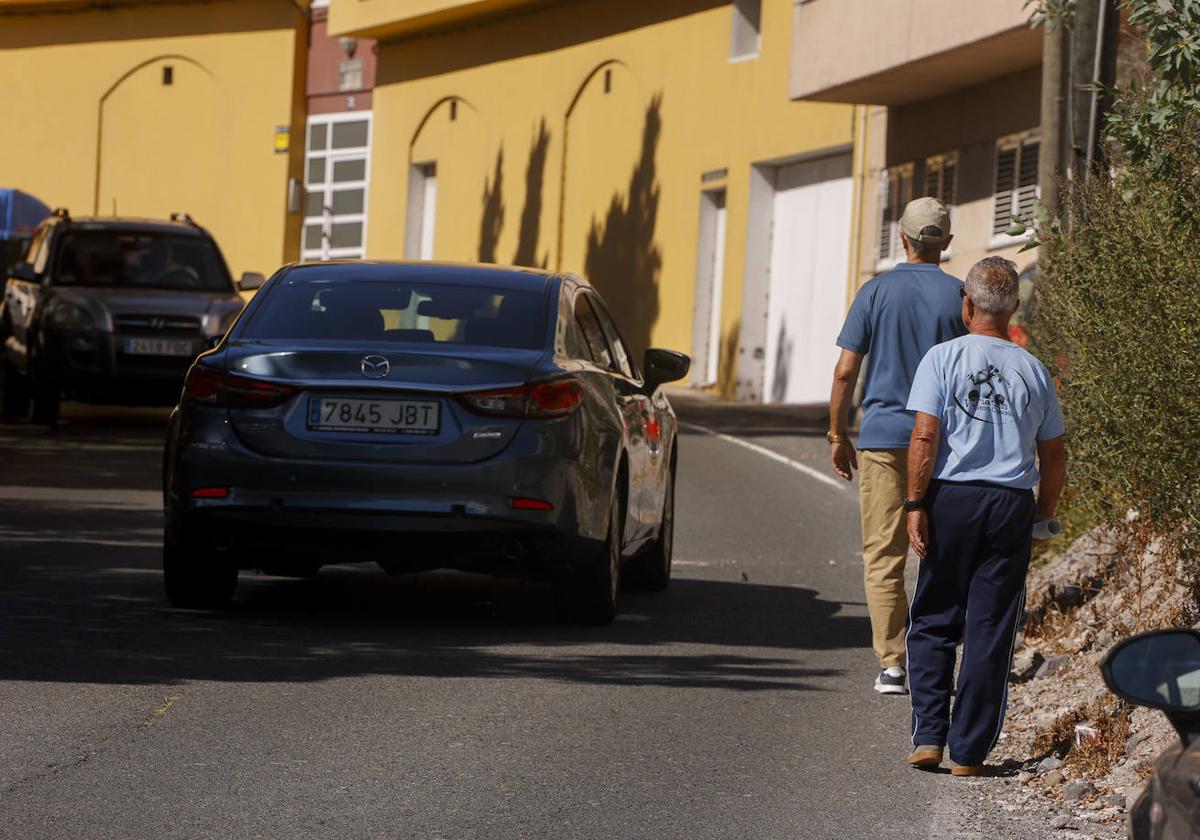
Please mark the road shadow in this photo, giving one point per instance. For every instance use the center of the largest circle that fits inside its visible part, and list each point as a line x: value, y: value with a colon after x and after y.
x: 743, y: 419
x: 84, y: 604
x: 81, y: 600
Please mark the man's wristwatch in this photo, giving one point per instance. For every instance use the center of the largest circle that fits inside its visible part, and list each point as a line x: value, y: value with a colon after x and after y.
x: 913, y: 504
x: 834, y: 437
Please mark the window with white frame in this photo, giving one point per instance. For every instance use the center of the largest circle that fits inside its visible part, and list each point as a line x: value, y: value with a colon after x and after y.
x: 747, y: 29
x: 895, y: 191
x: 1016, y: 185
x: 336, y: 164
x: 941, y: 178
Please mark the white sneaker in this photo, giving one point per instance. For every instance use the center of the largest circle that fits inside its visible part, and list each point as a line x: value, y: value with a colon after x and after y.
x: 891, y: 681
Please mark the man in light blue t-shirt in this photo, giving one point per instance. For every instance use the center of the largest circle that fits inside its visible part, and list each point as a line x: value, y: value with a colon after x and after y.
x: 987, y: 416
x: 894, y: 320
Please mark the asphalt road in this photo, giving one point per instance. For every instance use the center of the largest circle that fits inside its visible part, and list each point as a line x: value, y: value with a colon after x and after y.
x: 354, y: 705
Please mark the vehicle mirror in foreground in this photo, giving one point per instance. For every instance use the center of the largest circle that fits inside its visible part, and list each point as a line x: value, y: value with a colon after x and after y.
x: 23, y: 271
x: 250, y: 281
x: 1160, y: 670
x: 661, y: 366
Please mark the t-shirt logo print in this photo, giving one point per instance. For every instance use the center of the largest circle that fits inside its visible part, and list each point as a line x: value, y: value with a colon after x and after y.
x: 989, y: 394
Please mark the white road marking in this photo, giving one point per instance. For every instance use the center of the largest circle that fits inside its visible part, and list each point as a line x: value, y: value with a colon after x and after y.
x: 774, y: 456
x: 83, y: 497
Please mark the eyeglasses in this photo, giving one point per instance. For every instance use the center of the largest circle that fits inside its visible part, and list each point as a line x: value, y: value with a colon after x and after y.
x: 962, y: 291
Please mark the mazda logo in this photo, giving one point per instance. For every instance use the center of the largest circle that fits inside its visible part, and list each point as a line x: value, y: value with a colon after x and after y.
x: 375, y: 367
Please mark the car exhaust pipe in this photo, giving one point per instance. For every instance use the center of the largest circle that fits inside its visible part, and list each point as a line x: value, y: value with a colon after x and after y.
x: 513, y: 550
x: 222, y: 541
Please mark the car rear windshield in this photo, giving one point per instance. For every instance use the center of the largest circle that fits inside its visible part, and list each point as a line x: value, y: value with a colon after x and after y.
x: 108, y: 258
x: 402, y: 311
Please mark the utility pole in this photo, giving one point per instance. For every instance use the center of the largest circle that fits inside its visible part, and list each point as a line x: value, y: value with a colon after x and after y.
x: 1054, y: 105
x: 1093, y: 61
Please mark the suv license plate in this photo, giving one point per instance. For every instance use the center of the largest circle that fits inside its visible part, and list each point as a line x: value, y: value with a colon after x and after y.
x: 159, y: 347
x: 389, y: 417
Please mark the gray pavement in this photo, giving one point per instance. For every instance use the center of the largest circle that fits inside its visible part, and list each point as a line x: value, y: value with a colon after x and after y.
x: 354, y: 705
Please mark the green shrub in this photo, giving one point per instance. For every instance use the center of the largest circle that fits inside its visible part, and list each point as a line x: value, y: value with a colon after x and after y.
x: 1117, y: 313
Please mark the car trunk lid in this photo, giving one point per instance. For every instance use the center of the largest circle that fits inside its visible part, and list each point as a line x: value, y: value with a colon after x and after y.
x: 375, y: 402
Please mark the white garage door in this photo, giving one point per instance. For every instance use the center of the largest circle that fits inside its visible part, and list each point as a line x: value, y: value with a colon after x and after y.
x: 810, y: 254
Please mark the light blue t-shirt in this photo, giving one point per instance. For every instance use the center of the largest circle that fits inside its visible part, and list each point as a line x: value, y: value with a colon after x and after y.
x: 894, y: 320
x: 995, y: 402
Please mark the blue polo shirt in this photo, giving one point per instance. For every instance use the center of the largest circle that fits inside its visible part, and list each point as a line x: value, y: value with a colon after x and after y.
x: 995, y: 402
x: 894, y: 321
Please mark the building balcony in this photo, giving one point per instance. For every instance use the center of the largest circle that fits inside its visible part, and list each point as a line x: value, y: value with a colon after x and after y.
x: 394, y: 18
x: 894, y: 53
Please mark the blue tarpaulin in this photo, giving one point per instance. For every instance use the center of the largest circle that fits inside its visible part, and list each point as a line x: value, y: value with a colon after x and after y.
x: 20, y: 213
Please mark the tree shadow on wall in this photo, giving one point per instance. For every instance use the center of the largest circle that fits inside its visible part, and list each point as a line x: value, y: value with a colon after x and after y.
x: 623, y: 261
x: 493, y: 212
x: 784, y: 348
x: 531, y: 215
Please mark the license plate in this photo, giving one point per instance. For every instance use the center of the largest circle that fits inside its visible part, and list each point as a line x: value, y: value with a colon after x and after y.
x: 389, y: 417
x: 159, y: 347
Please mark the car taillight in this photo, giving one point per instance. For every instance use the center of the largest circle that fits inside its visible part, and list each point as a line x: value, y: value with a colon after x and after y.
x: 203, y: 384
x: 556, y: 398
x: 229, y: 390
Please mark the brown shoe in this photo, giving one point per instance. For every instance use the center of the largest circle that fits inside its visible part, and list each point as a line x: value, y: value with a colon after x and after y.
x: 926, y: 755
x: 957, y: 769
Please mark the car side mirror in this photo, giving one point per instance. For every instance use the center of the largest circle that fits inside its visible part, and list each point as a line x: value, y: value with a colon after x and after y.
x: 660, y: 366
x: 250, y: 281
x: 1160, y: 670
x: 23, y: 271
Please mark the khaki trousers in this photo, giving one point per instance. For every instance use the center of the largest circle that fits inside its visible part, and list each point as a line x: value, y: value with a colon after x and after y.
x: 883, y: 482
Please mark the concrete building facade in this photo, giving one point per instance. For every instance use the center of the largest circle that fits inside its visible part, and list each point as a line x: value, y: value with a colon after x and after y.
x: 651, y: 147
x: 949, y: 94
x: 337, y: 153
x: 147, y: 108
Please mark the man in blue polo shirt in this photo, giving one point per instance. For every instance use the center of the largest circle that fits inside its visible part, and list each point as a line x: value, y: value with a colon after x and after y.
x: 893, y: 322
x: 987, y: 417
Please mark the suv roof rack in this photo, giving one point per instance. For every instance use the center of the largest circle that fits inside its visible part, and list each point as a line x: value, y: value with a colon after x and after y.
x: 186, y: 219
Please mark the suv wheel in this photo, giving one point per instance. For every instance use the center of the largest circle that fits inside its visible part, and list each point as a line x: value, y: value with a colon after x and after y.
x: 47, y: 399
x: 589, y: 595
x: 16, y: 392
x: 196, y: 580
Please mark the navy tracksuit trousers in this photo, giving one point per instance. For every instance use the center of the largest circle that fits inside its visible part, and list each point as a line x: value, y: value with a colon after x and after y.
x: 970, y: 589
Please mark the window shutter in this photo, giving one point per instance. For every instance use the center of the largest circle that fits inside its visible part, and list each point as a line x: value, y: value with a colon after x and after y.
x: 933, y: 172
x: 1006, y: 170
x: 1027, y: 186
x: 950, y: 182
x: 905, y: 194
x: 886, y: 214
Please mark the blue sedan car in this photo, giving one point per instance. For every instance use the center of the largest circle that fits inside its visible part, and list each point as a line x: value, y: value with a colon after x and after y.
x: 423, y: 416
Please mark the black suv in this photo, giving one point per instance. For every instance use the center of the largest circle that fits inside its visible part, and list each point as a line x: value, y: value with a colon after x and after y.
x: 112, y: 311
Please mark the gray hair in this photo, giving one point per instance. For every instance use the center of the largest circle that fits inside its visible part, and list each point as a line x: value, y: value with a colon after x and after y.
x: 993, y: 286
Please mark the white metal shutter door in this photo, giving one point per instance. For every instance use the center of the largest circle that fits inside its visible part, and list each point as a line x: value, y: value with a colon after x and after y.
x: 810, y: 263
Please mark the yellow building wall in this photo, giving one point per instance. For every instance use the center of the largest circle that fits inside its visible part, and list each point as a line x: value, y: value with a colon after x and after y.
x: 90, y: 125
x: 575, y: 136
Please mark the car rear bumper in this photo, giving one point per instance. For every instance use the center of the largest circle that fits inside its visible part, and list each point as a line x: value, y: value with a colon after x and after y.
x: 399, y: 542
x: 91, y: 366
x: 406, y: 517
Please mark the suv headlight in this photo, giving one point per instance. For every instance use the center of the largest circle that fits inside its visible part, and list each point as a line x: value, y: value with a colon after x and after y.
x: 64, y: 315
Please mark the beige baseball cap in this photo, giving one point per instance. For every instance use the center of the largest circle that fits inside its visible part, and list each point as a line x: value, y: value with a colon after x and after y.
x: 922, y: 214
